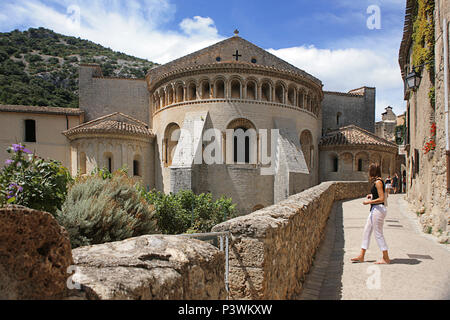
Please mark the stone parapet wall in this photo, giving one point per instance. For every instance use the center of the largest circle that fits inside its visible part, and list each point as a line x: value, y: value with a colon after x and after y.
x: 272, y: 249
x: 152, y: 267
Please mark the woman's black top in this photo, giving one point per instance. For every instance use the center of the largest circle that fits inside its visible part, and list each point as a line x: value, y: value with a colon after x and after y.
x: 374, y: 192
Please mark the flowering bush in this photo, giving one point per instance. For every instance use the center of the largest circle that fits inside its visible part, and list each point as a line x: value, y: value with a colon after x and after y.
x: 32, y: 182
x: 431, y: 145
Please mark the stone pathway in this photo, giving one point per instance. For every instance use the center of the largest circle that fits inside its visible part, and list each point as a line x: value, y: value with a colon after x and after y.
x: 420, y: 266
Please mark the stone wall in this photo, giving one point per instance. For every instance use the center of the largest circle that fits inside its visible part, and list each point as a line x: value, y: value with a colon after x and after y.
x: 102, y: 96
x: 50, y: 143
x: 348, y: 158
x: 356, y: 107
x: 152, y: 267
x: 272, y: 249
x: 426, y: 173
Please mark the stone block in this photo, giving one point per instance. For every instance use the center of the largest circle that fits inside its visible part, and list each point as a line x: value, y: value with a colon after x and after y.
x: 35, y: 254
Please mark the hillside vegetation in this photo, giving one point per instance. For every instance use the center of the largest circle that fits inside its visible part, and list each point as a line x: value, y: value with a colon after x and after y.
x: 40, y: 67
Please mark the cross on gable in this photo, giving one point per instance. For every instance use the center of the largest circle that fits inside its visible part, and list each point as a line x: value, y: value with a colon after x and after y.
x: 237, y: 55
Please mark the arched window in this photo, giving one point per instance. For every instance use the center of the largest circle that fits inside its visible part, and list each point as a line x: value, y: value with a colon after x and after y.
x: 108, y: 162
x: 219, y: 89
x: 313, y: 106
x: 266, y: 92
x: 251, y: 90
x: 308, y: 102
x: 30, y: 131
x: 237, y: 157
x: 334, y: 163
x: 235, y: 89
x: 170, y: 95
x: 136, y: 168
x: 180, y: 93
x: 291, y: 96
x: 306, y: 141
x: 156, y: 101
x: 192, y: 91
x: 362, y: 161
x: 83, y: 161
x: 163, y: 99
x: 206, y: 90
x: 300, y: 98
x: 171, y: 137
x: 244, y: 141
x: 279, y: 93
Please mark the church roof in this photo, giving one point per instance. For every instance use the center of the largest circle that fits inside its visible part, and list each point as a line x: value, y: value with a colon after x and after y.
x: 115, y: 123
x: 353, y: 136
x: 234, y: 50
x: 41, y: 110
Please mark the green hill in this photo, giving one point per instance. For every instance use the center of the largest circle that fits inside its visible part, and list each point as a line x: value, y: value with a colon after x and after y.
x: 40, y: 67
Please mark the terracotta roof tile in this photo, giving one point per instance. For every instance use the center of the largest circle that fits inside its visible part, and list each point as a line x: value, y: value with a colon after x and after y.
x: 117, y: 123
x: 353, y: 136
x: 44, y: 110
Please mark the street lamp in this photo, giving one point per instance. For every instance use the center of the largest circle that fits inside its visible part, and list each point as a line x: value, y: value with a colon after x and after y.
x: 413, y: 80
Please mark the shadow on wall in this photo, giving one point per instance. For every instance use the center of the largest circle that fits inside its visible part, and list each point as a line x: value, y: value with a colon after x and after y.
x: 332, y: 284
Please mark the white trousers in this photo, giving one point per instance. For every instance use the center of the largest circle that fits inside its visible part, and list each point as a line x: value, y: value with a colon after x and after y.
x: 375, y: 223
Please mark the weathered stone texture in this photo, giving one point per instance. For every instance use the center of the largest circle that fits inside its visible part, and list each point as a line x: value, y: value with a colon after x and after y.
x: 151, y: 268
x: 356, y: 107
x: 35, y: 253
x: 426, y: 173
x: 272, y: 249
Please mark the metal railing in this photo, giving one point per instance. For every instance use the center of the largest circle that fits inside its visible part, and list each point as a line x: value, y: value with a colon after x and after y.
x: 219, y: 240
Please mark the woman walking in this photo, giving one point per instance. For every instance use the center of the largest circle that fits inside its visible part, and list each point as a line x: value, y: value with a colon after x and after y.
x: 388, y: 184
x: 376, y: 217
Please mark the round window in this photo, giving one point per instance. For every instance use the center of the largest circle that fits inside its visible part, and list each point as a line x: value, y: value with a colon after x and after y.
x: 218, y: 59
x: 254, y: 60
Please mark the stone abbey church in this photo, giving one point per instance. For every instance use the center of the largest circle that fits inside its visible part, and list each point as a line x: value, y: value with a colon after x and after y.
x: 228, y: 86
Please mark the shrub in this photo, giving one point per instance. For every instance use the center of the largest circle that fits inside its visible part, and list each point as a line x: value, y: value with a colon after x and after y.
x: 33, y: 58
x: 33, y: 182
x: 99, y: 210
x: 186, y: 212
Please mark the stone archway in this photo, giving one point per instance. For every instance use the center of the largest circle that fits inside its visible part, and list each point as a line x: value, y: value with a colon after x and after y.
x: 244, y: 135
x: 170, y: 142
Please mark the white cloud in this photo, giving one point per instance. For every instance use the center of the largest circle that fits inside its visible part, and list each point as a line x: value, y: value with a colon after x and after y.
x: 199, y: 26
x: 133, y: 27
x: 364, y: 64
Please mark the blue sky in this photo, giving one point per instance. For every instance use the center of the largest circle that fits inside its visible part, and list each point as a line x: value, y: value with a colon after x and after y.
x: 327, y: 38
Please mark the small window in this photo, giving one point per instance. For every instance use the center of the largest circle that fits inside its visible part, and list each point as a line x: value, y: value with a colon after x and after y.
x: 218, y: 59
x: 83, y: 161
x: 360, y: 165
x: 335, y: 164
x: 338, y: 118
x: 110, y: 164
x: 136, y: 168
x: 254, y: 60
x: 30, y: 131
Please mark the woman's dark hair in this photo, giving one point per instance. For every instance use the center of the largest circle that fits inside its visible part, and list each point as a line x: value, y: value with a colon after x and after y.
x: 374, y: 171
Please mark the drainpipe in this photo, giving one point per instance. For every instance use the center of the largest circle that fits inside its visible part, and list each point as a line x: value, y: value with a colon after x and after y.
x: 447, y: 143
